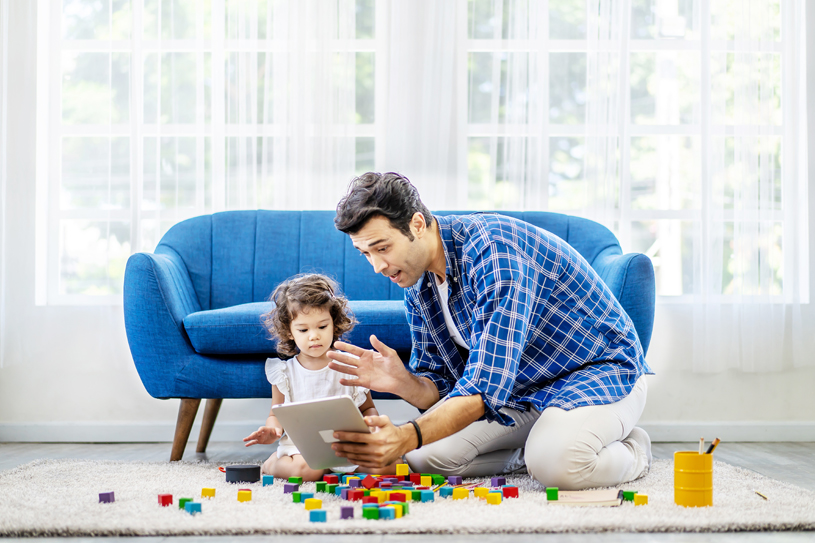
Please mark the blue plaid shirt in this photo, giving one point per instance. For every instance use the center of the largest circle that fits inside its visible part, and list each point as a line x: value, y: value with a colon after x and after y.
x: 543, y: 328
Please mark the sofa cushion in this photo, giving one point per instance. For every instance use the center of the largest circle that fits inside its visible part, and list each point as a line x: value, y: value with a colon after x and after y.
x: 239, y: 330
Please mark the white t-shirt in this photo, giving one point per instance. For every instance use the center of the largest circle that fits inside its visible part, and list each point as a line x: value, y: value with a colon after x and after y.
x: 298, y: 384
x: 444, y: 294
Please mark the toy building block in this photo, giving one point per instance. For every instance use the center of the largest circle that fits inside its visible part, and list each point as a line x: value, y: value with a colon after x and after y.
x: 244, y: 495
x: 183, y: 501
x: 370, y: 499
x: 346, y: 511
x: 354, y: 483
x: 268, y: 480
x: 454, y: 480
x: 331, y: 479
x: 369, y: 482
x: 295, y: 497
x: 445, y: 491
x: 427, y: 496
x: 165, y: 499
x: 385, y: 484
x: 355, y: 495
x: 481, y: 492
x: 343, y: 490
x: 313, y: 503
x: 494, y: 498
x: 296, y: 480
x: 398, y: 497
x: 551, y: 493
x: 320, y: 486
x: 306, y: 496
x: 192, y: 507
x: 317, y: 515
x: 426, y: 480
x: 498, y: 481
x: 402, y: 507
x: 338, y: 491
x: 106, y: 497
x: 437, y: 479
x: 398, y: 512
x: 628, y: 495
x: 641, y: 499
x: 331, y: 488
x: 387, y: 513
x: 416, y: 478
x: 366, y: 493
x: 288, y: 488
x: 510, y: 491
x: 402, y: 469
x: 460, y: 493
x: 371, y: 513
x: 207, y: 492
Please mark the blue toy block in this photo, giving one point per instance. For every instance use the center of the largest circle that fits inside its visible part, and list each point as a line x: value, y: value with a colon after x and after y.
x: 268, y: 480
x: 192, y: 507
x: 339, y: 489
x: 387, y: 513
x: 429, y: 495
x: 306, y: 496
x: 445, y: 491
x: 317, y: 515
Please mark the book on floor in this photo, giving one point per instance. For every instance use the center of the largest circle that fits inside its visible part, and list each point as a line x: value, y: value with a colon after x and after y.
x: 597, y: 498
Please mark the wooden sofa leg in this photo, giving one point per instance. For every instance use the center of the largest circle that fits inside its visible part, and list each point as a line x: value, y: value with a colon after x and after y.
x: 186, y: 416
x: 210, y: 414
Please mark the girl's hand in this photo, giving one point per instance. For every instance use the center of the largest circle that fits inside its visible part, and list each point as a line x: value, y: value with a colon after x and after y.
x: 265, y: 435
x: 380, y: 370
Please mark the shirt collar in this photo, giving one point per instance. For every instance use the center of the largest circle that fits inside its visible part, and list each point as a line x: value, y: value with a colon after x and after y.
x: 449, y: 247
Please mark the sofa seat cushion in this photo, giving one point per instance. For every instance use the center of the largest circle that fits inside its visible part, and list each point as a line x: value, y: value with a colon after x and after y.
x: 239, y: 329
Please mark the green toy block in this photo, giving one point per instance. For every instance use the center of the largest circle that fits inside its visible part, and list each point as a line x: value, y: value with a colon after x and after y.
x: 437, y: 479
x: 183, y: 501
x: 295, y: 497
x: 416, y: 495
x: 330, y: 488
x: 296, y: 480
x: 551, y: 493
x: 628, y: 495
x: 321, y: 486
x: 366, y: 493
x: 370, y: 513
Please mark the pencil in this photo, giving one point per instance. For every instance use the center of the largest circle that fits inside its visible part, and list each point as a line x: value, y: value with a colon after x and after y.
x: 701, y: 445
x: 713, y: 446
x: 760, y: 494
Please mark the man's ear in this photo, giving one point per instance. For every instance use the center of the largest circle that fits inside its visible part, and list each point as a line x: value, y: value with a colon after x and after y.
x: 418, y: 225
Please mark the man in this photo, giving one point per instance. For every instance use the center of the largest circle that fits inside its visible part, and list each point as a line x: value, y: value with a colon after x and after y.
x: 521, y: 355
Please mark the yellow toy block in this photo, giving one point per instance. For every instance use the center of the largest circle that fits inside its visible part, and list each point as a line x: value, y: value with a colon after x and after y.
x: 427, y: 481
x: 640, y: 499
x: 207, y: 492
x: 313, y: 503
x: 481, y: 492
x: 381, y: 497
x: 402, y: 469
x: 244, y: 495
x: 494, y: 498
x: 397, y: 510
x: 460, y: 493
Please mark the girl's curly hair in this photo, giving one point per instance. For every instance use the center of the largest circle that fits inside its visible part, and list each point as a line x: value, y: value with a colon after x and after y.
x: 303, y: 292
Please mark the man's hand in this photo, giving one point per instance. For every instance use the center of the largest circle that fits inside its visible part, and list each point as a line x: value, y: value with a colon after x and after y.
x: 265, y: 435
x: 383, y: 446
x: 380, y: 370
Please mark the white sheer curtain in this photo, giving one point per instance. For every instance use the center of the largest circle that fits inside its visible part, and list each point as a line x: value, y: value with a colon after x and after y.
x: 4, y: 12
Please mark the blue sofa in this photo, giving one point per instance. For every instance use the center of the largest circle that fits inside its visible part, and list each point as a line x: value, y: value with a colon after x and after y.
x: 192, y: 308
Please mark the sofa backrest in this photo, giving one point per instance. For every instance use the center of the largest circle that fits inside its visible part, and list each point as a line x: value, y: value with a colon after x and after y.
x: 238, y: 257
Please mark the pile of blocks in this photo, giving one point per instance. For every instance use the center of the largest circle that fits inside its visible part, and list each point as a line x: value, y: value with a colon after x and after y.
x: 389, y: 497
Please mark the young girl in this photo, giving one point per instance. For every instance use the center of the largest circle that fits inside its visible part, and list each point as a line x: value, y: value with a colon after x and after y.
x: 309, y: 316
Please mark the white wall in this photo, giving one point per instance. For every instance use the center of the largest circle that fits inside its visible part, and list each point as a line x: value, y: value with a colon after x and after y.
x: 68, y: 375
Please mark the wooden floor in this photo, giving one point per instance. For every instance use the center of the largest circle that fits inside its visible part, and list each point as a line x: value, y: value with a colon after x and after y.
x: 790, y: 462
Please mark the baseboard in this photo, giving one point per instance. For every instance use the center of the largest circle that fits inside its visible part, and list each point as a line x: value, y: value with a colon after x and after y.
x: 136, y: 432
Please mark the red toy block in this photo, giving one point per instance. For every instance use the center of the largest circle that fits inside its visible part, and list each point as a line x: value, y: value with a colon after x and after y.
x: 356, y: 495
x: 397, y: 477
x: 416, y: 478
x: 165, y: 499
x: 369, y: 482
x: 510, y: 491
x: 398, y: 497
x: 369, y: 499
x: 331, y: 479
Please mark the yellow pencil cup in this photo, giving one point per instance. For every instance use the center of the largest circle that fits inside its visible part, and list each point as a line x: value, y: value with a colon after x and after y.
x: 693, y: 479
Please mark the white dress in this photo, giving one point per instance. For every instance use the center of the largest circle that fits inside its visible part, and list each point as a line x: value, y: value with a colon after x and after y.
x: 298, y: 384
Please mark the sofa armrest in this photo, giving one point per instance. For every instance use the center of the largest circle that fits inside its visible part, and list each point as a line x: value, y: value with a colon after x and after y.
x: 158, y: 294
x: 631, y: 278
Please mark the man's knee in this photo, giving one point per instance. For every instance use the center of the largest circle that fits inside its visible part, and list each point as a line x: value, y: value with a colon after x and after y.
x: 432, y: 460
x: 555, y: 461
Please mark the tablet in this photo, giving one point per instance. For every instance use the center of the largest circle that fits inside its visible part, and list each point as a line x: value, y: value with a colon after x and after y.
x: 311, y: 425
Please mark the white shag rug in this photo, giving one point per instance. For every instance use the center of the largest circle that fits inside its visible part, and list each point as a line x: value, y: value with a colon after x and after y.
x: 61, y: 498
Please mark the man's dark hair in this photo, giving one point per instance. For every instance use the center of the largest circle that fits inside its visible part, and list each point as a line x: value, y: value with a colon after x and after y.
x: 389, y: 195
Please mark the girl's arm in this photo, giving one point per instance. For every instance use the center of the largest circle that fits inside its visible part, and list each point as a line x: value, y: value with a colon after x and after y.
x: 273, y: 430
x: 367, y: 408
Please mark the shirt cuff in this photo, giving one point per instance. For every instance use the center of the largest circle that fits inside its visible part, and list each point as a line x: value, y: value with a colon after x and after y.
x: 466, y: 388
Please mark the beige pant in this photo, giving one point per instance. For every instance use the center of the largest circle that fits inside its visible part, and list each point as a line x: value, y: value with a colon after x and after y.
x: 582, y: 448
